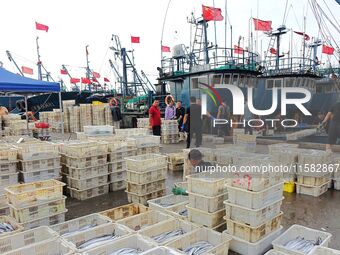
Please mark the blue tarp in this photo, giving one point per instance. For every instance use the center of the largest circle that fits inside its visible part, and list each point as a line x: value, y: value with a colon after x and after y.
x: 11, y: 82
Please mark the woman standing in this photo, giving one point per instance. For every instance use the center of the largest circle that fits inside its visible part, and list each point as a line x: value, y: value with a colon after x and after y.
x: 170, y: 110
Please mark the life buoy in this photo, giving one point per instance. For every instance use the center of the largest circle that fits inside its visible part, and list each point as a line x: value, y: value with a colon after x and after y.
x: 113, y: 102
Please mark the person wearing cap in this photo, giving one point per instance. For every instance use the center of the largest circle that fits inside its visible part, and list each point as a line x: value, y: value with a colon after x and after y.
x: 196, y: 159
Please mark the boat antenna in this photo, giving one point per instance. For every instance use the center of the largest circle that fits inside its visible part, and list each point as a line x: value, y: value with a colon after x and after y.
x: 164, y: 20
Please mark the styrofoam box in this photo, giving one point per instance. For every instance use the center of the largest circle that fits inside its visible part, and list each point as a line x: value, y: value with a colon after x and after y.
x: 207, y: 204
x: 162, y: 250
x: 309, y: 190
x: 255, y: 200
x: 297, y: 230
x: 78, y: 239
x: 134, y: 241
x: 168, y: 202
x: 124, y: 211
x: 41, y: 175
x: 205, y: 218
x: 318, y: 250
x: 46, y: 221
x: 143, y: 220
x: 167, y: 226
x: 26, y: 238
x: 146, y: 177
x: 253, y: 234
x: 147, y: 162
x: 75, y: 226
x: 206, y: 184
x: 220, y: 241
x: 245, y: 248
x: 252, y: 217
x: 49, y: 247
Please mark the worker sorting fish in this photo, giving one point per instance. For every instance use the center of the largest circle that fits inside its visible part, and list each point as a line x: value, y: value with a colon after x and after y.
x: 6, y: 227
x: 302, y: 245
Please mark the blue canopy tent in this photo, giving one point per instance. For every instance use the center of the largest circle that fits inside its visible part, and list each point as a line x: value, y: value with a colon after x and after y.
x: 14, y: 83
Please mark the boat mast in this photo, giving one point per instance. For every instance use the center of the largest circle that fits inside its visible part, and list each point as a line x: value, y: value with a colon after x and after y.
x: 9, y: 55
x: 281, y: 30
x: 39, y: 61
x: 88, y: 72
x: 314, y: 46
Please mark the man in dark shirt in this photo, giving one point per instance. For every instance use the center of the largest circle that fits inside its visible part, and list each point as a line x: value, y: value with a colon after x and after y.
x: 193, y: 122
x: 180, y: 112
x: 196, y: 159
x: 333, y: 116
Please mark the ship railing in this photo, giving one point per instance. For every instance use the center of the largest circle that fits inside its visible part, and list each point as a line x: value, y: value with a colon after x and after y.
x: 214, y: 58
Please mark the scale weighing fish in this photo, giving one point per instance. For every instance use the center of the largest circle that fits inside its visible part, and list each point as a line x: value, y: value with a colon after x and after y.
x: 168, y: 235
x: 79, y: 230
x: 94, y: 242
x: 127, y: 251
x: 303, y: 245
x: 5, y: 228
x: 198, y: 248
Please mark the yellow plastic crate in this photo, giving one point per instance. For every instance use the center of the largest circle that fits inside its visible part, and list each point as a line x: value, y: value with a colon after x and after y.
x: 289, y: 187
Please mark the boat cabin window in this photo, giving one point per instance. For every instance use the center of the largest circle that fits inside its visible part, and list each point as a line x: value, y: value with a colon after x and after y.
x: 235, y: 79
x: 226, y: 79
x: 195, y: 81
x: 289, y: 82
x: 216, y: 79
x: 270, y: 84
x: 278, y: 83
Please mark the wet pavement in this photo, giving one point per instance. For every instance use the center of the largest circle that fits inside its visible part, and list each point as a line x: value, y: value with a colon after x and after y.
x: 321, y: 213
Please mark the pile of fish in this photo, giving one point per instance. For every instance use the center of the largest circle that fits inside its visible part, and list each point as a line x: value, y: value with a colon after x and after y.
x: 168, y: 235
x: 6, y: 227
x: 183, y: 212
x: 302, y: 245
x: 127, y: 251
x: 198, y: 248
x: 94, y: 242
x: 79, y: 230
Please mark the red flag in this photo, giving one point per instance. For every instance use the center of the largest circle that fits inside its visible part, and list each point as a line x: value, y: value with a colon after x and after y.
x: 42, y: 27
x: 135, y: 39
x: 262, y: 25
x: 238, y: 49
x: 307, y: 37
x: 272, y: 51
x: 85, y: 80
x: 165, y: 49
x: 74, y: 80
x: 106, y: 79
x: 329, y: 50
x: 95, y: 74
x: 94, y: 80
x: 63, y: 71
x: 26, y: 70
x: 211, y: 13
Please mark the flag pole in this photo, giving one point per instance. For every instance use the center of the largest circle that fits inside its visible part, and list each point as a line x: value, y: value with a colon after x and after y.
x: 225, y: 29
x: 164, y: 20
x: 215, y: 36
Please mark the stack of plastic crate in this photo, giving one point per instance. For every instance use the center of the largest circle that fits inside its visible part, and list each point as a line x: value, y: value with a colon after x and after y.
x: 175, y: 161
x: 145, y: 177
x: 85, y: 168
x: 98, y: 115
x: 145, y: 144
x: 37, y: 204
x: 253, y: 209
x: 313, y: 172
x: 74, y: 114
x: 38, y: 161
x: 143, y: 122
x: 14, y: 125
x: 8, y: 174
x: 170, y: 132
x: 85, y: 116
x: 206, y: 196
x: 336, y: 173
x: 248, y: 141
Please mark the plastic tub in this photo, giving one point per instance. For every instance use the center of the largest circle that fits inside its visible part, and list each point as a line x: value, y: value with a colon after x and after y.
x: 84, y: 162
x: 207, y: 204
x: 37, y: 150
x: 135, y: 198
x: 179, y: 211
x: 88, y: 183
x: 46, y: 221
x: 82, y: 149
x: 13, y: 223
x: 146, y: 177
x: 117, y: 185
x: 143, y: 189
x: 7, y: 180
x: 205, y: 218
x: 87, y: 172
x: 168, y: 202
x: 8, y: 168
x: 124, y: 211
x: 117, y: 166
x: 162, y: 251
x: 312, y: 181
x: 89, y: 193
x: 324, y: 251
x: 309, y: 190
x: 41, y: 175
x: 117, y: 176
x: 300, y: 231
x: 39, y: 164
x: 206, y: 184
x: 146, y: 162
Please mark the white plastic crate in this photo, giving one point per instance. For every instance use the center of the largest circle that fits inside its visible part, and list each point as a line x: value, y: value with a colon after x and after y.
x: 148, y: 150
x: 75, y: 241
x: 147, y: 162
x: 253, y: 234
x: 4, y: 211
x: 220, y: 241
x: 8, y: 168
x: 205, y: 218
x: 300, y: 231
x: 81, y: 149
x: 37, y: 150
x: 336, y: 184
x: 38, y: 211
x: 309, y: 190
x: 162, y: 250
x: 8, y: 154
x: 89, y: 193
x: 146, y: 140
x: 84, y: 162
x: 117, y: 185
x: 167, y: 226
x: 252, y: 217
x: 75, y: 226
x: 206, y: 184
x: 132, y: 242
x: 273, y: 252
x: 47, y: 221
x: 41, y: 175
x: 117, y: 166
x: 132, y: 131
x: 117, y: 176
x: 307, y: 156
x: 27, y: 238
x: 39, y: 164
x: 7, y: 180
x: 135, y: 198
x: 82, y: 173
x: 3, y: 201
x: 143, y: 189
x: 312, y: 181
x: 98, y: 130
x: 124, y: 211
x: 119, y: 156
x: 143, y: 220
x: 49, y: 247
x: 207, y: 204
x: 146, y: 177
x: 88, y: 183
x: 259, y: 248
x: 324, y: 251
x: 278, y: 147
x: 168, y: 202
x: 255, y: 200
x: 31, y: 193
x: 9, y: 220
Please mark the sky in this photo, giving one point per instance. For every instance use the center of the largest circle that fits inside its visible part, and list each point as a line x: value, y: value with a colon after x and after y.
x: 73, y: 24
